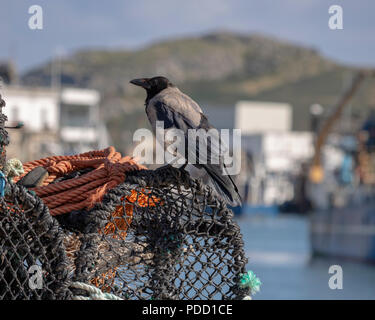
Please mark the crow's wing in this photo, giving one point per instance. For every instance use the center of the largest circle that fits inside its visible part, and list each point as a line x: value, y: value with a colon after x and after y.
x: 179, y: 101
x: 185, y: 116
x: 178, y: 111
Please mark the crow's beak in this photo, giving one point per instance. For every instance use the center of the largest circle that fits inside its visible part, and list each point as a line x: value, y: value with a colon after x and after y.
x: 141, y: 83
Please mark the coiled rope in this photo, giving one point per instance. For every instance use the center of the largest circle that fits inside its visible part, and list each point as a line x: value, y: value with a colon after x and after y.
x: 94, y: 292
x: 109, y: 170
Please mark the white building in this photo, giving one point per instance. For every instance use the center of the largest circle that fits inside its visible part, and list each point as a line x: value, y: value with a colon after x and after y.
x: 57, y: 121
x: 252, y: 116
x: 280, y: 151
x: 257, y: 117
x: 277, y: 159
x: 37, y: 108
x: 80, y: 126
x: 272, y: 153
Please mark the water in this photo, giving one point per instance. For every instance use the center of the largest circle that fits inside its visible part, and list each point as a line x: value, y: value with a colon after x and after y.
x: 279, y: 253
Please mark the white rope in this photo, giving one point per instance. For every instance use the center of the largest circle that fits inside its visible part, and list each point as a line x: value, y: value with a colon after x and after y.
x: 94, y: 292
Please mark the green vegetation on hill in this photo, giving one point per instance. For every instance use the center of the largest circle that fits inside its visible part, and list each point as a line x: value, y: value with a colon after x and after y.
x: 216, y: 69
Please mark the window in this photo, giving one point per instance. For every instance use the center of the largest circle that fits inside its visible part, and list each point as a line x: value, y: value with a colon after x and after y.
x: 15, y: 114
x: 75, y: 115
x: 44, y: 119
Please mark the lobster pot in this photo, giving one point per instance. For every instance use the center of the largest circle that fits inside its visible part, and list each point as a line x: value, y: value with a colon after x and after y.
x: 158, y: 235
x: 33, y: 261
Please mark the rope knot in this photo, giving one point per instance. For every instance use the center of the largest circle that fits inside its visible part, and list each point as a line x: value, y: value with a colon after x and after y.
x: 13, y: 168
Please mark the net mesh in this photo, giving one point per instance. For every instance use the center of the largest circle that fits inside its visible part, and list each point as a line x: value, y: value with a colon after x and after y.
x: 158, y: 235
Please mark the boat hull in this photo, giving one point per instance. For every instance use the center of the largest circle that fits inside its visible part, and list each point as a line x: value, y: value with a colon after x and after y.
x: 347, y: 232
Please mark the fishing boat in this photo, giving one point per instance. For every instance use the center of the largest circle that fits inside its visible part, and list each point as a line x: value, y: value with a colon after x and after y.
x: 342, y: 223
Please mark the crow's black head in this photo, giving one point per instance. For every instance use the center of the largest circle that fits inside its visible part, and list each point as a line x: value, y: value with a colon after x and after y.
x: 152, y: 85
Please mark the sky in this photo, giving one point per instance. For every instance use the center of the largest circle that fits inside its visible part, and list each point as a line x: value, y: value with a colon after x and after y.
x: 71, y: 25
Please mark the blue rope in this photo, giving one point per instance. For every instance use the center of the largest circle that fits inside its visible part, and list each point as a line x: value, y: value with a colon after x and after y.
x: 3, y: 181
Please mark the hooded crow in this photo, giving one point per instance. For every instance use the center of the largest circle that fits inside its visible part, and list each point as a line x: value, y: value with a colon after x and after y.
x: 166, y: 103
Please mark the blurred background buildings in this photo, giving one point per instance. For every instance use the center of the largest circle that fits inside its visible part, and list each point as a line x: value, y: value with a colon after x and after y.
x: 272, y: 69
x: 56, y: 120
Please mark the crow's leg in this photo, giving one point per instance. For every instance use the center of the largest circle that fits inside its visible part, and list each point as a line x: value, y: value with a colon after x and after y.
x: 177, y: 165
x: 183, y: 166
x: 167, y: 166
x: 174, y: 165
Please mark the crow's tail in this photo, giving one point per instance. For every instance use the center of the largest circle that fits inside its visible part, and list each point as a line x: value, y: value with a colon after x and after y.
x: 224, y: 184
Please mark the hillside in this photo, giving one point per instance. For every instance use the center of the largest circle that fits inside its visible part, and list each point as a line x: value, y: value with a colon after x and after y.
x: 216, y: 69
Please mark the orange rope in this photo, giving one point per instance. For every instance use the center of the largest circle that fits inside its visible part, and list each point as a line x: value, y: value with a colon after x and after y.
x: 109, y: 169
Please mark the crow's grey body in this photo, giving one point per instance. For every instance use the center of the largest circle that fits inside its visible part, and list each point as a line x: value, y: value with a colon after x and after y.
x: 178, y: 111
x: 174, y: 107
